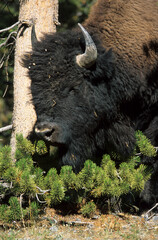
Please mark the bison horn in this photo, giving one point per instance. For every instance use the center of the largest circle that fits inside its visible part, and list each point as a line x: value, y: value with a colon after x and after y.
x: 88, y: 58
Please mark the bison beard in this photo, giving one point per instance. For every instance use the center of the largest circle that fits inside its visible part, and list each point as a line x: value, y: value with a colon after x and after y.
x: 91, y: 97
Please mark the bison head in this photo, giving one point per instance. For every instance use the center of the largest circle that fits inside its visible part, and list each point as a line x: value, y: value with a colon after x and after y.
x: 77, y: 97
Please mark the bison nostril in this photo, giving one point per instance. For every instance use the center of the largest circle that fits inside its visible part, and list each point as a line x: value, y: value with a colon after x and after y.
x: 45, y: 132
x: 49, y: 132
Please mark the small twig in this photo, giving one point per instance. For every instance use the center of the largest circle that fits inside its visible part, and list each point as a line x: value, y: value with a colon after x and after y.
x: 56, y: 22
x: 9, y: 36
x: 6, y: 70
x: 77, y: 223
x: 3, y: 129
x: 42, y: 192
x: 21, y: 198
x: 147, y: 213
x: 11, y: 185
x: 118, y: 175
x: 4, y: 184
x: 156, y: 148
x: 39, y: 200
x: 139, y: 154
x: 2, y: 60
x: 156, y: 205
x: 6, y: 89
x: 8, y: 28
x: 28, y: 22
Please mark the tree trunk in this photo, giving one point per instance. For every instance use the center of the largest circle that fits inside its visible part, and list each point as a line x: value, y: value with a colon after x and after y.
x: 44, y: 14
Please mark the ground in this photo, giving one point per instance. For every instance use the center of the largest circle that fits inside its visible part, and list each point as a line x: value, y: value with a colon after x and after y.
x: 52, y: 225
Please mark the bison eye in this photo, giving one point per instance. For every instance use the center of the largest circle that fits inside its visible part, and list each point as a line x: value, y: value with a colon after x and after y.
x: 72, y: 89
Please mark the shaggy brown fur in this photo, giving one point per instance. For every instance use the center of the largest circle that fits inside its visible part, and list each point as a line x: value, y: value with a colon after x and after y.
x: 128, y: 27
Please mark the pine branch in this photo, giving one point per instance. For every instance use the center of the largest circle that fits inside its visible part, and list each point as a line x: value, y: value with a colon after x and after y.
x: 139, y: 154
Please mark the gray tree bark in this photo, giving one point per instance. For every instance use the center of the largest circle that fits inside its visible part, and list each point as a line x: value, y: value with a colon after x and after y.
x: 44, y: 15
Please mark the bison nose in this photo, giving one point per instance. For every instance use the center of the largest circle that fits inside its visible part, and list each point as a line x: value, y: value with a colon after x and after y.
x: 47, y: 131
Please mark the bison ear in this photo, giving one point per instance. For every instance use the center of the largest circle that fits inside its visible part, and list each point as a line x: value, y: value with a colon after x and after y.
x: 87, y: 59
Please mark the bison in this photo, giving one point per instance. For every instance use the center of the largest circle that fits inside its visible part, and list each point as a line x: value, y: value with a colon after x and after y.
x: 95, y: 85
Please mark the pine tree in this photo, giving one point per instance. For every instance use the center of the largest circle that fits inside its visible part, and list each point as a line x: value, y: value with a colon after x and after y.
x: 107, y: 182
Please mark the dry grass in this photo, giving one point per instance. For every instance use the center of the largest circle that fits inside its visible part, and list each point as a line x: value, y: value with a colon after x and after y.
x: 75, y: 227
